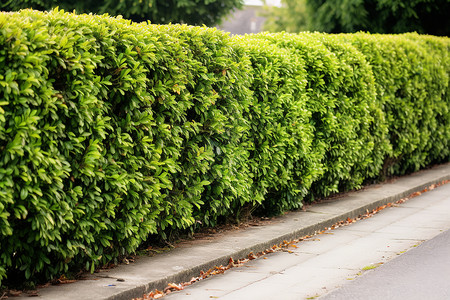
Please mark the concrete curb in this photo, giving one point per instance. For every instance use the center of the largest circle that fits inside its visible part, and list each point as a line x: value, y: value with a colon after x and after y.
x: 186, y: 261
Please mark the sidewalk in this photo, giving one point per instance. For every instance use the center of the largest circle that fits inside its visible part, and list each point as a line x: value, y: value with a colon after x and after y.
x: 322, y: 263
x: 187, y: 260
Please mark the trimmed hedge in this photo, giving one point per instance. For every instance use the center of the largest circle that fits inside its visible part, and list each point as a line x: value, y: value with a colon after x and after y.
x: 412, y: 80
x: 111, y: 131
x: 341, y: 99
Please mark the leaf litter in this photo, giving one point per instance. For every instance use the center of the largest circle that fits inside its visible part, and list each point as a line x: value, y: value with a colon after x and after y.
x: 283, y: 246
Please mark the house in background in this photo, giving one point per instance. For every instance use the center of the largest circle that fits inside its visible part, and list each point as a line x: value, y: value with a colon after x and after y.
x: 249, y: 19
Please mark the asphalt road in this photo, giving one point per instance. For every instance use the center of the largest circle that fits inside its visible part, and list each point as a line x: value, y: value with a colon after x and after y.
x: 400, y: 253
x: 421, y: 273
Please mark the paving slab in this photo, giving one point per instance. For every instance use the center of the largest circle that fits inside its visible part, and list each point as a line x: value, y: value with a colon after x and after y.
x: 186, y: 261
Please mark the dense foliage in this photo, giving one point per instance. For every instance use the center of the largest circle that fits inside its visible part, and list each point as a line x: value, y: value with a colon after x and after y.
x: 111, y: 131
x: 193, y: 12
x: 376, y: 16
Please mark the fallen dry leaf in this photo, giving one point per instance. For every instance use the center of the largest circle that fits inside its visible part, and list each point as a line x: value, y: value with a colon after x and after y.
x: 33, y: 293
x: 14, y: 293
x: 175, y: 286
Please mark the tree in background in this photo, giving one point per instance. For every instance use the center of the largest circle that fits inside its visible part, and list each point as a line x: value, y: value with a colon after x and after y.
x: 290, y: 17
x: 194, y: 12
x: 377, y: 16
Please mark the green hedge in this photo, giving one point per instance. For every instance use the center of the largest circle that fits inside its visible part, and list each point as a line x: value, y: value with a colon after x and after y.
x: 412, y: 80
x: 341, y: 98
x: 112, y: 131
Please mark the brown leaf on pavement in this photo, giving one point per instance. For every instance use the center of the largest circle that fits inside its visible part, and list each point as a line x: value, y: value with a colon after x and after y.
x: 33, y: 293
x: 14, y: 293
x: 178, y: 287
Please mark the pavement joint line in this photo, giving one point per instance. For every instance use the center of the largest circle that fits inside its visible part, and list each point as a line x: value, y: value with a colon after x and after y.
x: 367, y: 200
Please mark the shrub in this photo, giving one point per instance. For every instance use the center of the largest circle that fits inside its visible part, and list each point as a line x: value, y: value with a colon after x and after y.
x: 340, y: 97
x: 281, y: 133
x: 213, y: 161
x: 412, y: 89
x: 112, y: 131
x: 107, y: 130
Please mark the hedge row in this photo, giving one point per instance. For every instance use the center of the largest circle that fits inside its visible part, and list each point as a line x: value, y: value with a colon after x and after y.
x: 112, y: 131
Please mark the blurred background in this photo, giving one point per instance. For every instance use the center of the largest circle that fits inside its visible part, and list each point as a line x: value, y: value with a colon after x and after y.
x: 335, y: 16
x: 252, y: 16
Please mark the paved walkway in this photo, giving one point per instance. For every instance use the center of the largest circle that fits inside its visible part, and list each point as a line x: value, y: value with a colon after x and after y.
x: 347, y: 256
x: 185, y: 262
